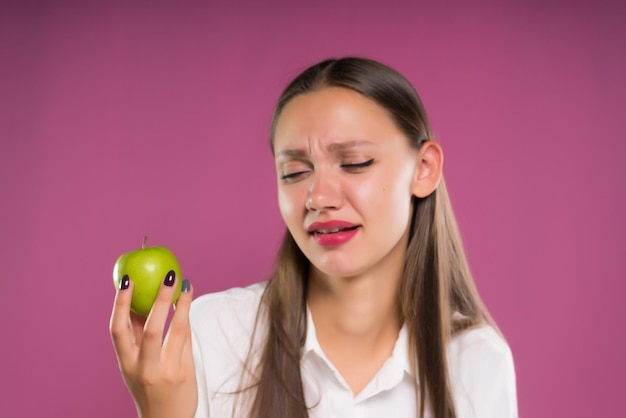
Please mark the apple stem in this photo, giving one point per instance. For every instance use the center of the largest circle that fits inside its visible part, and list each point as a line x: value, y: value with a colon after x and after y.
x: 143, y: 245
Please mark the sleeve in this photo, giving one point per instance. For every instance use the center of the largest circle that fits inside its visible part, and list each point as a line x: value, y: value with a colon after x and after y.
x: 482, y: 376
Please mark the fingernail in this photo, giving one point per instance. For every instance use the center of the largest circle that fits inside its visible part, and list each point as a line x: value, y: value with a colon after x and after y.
x: 186, y: 286
x: 125, y: 282
x: 169, y: 278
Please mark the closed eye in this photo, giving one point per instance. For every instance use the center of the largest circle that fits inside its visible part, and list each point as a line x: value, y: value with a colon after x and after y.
x: 357, y: 166
x: 294, y: 169
x: 292, y: 176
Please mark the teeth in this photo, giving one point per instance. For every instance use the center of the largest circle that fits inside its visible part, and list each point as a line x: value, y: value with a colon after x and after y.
x: 328, y: 231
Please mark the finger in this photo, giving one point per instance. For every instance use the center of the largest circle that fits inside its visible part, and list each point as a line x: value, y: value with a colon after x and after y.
x: 187, y: 351
x: 186, y: 358
x: 155, y: 324
x: 137, y: 323
x: 119, y: 324
x: 180, y: 329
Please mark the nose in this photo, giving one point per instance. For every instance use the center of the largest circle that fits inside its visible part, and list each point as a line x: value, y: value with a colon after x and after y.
x: 324, y: 192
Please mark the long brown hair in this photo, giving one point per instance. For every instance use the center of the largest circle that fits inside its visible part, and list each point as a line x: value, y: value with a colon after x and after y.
x: 436, y: 282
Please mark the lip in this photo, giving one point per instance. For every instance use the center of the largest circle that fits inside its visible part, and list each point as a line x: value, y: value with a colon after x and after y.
x: 346, y: 231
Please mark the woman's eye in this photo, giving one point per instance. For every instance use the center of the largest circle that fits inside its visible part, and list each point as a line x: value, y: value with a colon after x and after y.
x: 293, y: 175
x: 293, y: 170
x: 357, y: 166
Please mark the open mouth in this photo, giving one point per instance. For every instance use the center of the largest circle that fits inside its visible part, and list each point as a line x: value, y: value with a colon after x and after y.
x: 334, y: 230
x: 334, y: 235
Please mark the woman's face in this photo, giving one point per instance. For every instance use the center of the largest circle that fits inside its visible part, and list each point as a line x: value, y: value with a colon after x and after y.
x: 345, y: 176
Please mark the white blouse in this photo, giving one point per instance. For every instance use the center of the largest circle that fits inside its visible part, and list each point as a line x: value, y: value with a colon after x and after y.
x: 481, y: 371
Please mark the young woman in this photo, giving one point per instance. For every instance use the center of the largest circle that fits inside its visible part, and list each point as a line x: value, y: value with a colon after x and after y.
x: 372, y: 309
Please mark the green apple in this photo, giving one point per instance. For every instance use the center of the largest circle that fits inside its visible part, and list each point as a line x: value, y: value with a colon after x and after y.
x: 147, y: 269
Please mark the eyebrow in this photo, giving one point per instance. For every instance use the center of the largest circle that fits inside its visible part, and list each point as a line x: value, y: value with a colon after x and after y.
x: 294, y: 153
x: 334, y: 147
x: 341, y: 146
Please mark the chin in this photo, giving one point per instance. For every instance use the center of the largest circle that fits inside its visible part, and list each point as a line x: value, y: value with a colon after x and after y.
x: 336, y: 271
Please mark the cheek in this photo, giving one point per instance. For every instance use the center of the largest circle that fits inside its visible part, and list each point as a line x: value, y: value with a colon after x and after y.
x: 284, y: 204
x: 389, y: 197
x: 288, y: 205
x: 369, y: 194
x: 389, y: 184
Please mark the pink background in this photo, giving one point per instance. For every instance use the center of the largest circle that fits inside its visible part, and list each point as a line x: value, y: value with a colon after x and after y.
x: 124, y: 119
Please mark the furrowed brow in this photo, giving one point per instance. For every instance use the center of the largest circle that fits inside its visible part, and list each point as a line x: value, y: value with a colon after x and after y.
x: 342, y: 146
x: 291, y: 153
x: 334, y: 147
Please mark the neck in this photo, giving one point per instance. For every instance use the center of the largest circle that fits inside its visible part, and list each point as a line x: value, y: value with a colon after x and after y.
x: 358, y: 307
x: 357, y: 321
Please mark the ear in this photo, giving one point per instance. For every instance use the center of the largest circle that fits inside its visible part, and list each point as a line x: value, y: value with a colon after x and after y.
x: 428, y: 170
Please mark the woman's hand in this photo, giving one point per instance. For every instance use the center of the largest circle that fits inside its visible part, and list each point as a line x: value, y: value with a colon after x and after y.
x: 159, y: 373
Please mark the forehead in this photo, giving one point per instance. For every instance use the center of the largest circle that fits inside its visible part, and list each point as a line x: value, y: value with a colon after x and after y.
x: 332, y: 115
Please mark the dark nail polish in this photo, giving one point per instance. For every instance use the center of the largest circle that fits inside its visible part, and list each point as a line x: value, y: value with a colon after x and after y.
x: 169, y: 278
x: 125, y: 282
x: 186, y: 286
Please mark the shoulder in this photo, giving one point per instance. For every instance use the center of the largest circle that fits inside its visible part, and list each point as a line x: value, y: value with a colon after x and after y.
x: 224, y: 330
x: 478, y: 352
x: 478, y: 341
x: 230, y: 313
x: 482, y: 373
x: 228, y: 300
